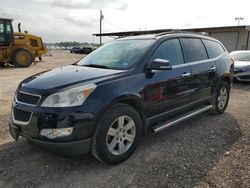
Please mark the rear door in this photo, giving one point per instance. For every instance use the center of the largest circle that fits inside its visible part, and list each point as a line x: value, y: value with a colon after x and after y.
x: 203, y: 68
x: 168, y: 89
x: 215, y: 54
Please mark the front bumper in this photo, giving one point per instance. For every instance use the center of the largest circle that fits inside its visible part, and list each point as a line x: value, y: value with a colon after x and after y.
x: 62, y: 148
x: 242, y: 75
x: 28, y: 120
x: 32, y: 119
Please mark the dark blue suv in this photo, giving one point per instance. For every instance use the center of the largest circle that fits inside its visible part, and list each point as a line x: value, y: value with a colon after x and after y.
x: 106, y: 101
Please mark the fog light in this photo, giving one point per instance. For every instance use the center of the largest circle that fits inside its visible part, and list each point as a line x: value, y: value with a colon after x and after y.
x: 54, y: 133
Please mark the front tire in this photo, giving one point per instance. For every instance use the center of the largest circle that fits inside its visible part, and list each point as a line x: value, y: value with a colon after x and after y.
x: 22, y: 58
x: 116, y: 135
x: 221, y: 98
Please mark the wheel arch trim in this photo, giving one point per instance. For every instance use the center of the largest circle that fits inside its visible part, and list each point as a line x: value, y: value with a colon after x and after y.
x: 133, y: 100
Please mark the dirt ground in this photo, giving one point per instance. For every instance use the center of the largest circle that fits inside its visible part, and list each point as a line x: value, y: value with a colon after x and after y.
x: 205, y: 151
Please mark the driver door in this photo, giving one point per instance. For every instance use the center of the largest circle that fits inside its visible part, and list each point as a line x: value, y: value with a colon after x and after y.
x: 168, y: 89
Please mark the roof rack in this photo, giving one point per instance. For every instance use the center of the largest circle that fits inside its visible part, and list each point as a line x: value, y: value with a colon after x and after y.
x: 168, y: 32
x: 181, y: 31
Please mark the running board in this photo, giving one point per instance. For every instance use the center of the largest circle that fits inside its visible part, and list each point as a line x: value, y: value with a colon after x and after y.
x: 178, y: 119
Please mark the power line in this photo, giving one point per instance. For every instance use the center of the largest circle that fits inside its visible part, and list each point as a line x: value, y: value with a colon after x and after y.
x: 118, y: 27
x: 109, y: 27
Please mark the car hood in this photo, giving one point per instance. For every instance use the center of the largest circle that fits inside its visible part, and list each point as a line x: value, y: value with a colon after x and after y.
x: 59, y: 78
x: 240, y: 64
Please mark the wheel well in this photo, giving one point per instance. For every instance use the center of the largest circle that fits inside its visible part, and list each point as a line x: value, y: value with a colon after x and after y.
x: 17, y: 47
x: 139, y: 109
x: 227, y: 80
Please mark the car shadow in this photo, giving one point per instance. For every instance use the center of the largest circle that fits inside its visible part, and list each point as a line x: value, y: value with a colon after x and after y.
x: 177, y: 157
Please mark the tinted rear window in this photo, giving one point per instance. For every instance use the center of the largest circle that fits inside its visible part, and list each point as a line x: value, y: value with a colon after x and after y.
x: 214, y: 49
x: 195, y: 50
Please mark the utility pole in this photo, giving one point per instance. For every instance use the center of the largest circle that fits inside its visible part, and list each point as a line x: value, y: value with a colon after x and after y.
x: 101, y: 18
x: 238, y: 19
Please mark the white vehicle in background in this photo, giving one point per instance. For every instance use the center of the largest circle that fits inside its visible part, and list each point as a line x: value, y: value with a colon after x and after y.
x: 241, y: 65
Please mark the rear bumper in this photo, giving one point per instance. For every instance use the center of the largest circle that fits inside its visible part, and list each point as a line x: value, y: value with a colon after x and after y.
x: 71, y: 148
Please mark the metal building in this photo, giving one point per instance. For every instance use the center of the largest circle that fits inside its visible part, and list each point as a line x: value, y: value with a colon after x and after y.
x: 233, y: 37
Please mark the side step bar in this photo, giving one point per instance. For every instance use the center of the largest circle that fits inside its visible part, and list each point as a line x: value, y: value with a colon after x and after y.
x: 178, y: 119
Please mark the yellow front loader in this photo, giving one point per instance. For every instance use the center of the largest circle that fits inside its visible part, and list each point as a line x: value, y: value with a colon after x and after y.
x: 19, y: 49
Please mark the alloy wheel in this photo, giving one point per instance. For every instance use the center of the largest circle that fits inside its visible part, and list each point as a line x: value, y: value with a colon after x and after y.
x: 121, y: 135
x: 222, y: 98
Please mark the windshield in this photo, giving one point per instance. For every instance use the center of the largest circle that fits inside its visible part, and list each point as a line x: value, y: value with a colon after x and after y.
x: 123, y: 54
x: 241, y: 56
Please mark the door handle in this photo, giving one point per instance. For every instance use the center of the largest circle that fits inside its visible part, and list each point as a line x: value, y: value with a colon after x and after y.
x: 186, y: 74
x: 212, y: 69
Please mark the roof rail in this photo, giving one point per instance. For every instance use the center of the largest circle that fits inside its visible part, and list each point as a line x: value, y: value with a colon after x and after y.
x: 168, y: 32
x: 180, y: 31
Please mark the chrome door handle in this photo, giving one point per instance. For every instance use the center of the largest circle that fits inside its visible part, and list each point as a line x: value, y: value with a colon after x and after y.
x: 186, y: 74
x: 212, y: 69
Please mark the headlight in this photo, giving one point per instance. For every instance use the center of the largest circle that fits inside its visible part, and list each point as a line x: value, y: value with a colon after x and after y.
x: 54, y: 133
x: 71, y: 97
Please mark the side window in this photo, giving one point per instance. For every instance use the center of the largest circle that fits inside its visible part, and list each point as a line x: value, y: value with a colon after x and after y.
x: 33, y: 43
x: 2, y: 37
x: 195, y: 50
x: 1, y: 27
x: 8, y: 28
x: 169, y: 50
x: 214, y: 49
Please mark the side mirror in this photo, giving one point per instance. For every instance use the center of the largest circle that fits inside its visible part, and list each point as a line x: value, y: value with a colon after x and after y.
x: 159, y: 64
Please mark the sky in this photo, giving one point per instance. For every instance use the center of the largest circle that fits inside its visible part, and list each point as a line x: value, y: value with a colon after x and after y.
x: 77, y: 20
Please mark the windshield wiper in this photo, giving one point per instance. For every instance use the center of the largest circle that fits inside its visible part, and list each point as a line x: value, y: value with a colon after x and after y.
x: 97, y: 66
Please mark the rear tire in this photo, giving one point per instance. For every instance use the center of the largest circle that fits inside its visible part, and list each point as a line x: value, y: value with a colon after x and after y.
x: 22, y: 58
x: 116, y: 135
x: 221, y: 98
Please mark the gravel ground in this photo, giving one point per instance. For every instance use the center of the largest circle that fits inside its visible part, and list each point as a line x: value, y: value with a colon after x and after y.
x: 205, y: 151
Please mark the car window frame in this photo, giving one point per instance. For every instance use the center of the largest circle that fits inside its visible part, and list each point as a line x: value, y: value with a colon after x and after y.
x: 184, y: 50
x: 158, y: 45
x: 223, y: 48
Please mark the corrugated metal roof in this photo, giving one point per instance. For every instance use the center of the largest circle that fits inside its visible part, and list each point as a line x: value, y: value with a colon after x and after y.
x: 131, y: 33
